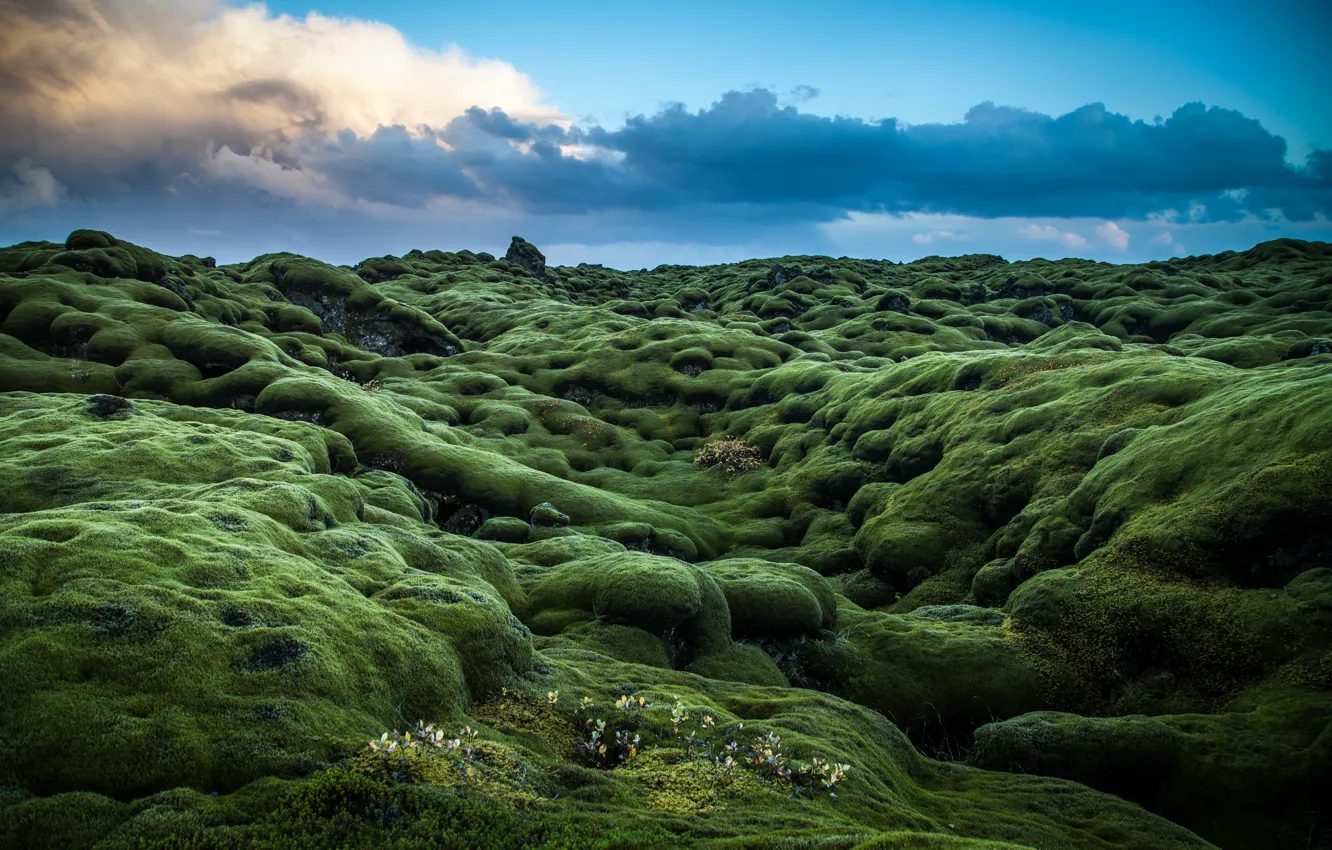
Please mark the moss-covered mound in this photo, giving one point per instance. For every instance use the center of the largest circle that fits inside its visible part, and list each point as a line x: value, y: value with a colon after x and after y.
x: 1012, y: 554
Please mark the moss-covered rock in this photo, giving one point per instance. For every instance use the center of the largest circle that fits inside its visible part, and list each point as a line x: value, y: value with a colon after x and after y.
x: 1200, y: 770
x: 768, y: 599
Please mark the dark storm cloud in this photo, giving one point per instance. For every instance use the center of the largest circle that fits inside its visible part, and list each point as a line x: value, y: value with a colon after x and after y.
x: 495, y: 123
x: 748, y: 153
x: 999, y: 161
x: 390, y: 167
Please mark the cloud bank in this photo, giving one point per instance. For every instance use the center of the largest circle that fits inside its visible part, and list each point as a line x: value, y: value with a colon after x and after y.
x: 1050, y: 233
x: 223, y: 112
x: 126, y: 93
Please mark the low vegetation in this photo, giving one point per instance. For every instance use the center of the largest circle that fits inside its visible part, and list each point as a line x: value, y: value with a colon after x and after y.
x: 800, y: 552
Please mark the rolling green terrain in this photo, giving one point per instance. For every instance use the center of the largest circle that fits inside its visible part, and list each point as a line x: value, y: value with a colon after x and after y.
x: 1005, y: 555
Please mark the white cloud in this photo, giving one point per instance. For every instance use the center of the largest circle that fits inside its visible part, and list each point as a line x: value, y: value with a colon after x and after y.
x: 1049, y: 233
x: 36, y: 187
x: 1166, y: 238
x: 882, y: 235
x: 107, y: 68
x: 932, y: 236
x: 1113, y: 235
x: 895, y: 236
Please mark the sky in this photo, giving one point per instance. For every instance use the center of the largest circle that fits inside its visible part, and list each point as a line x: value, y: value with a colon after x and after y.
x: 637, y: 134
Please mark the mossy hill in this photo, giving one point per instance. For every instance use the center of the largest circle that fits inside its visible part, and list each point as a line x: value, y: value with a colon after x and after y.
x: 1042, y: 551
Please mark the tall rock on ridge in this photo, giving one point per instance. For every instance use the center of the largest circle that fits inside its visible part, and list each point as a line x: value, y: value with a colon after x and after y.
x: 525, y: 254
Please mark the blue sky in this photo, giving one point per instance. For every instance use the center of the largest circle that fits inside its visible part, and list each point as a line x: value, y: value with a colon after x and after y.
x: 916, y: 61
x: 695, y: 132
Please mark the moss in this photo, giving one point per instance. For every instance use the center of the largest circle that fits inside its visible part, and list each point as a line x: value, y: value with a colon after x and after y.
x: 1044, y: 601
x: 1197, y: 769
x: 867, y: 590
x: 912, y: 841
x: 739, y: 662
x: 623, y: 643
x: 260, y: 605
x: 660, y: 596
x: 503, y: 529
x: 994, y: 582
x: 28, y: 823
x: 255, y: 514
x: 938, y: 679
x: 774, y: 600
x: 905, y: 554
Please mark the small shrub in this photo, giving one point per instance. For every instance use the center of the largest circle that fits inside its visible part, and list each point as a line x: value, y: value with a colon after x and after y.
x: 602, y: 748
x: 735, y: 457
x: 396, y: 756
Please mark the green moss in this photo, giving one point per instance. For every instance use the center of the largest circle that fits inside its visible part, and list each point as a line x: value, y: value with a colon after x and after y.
x: 1199, y: 769
x: 938, y: 679
x: 769, y: 599
x: 660, y: 596
x: 255, y: 514
x: 260, y: 605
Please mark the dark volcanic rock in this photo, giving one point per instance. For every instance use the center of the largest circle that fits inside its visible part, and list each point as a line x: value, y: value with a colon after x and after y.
x: 525, y: 254
x: 781, y: 274
x: 106, y: 406
x: 893, y: 302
